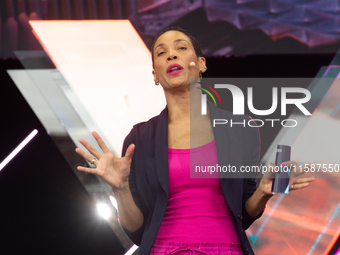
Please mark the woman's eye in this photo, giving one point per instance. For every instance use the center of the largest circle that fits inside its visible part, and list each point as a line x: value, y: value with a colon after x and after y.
x: 183, y: 48
x: 160, y: 53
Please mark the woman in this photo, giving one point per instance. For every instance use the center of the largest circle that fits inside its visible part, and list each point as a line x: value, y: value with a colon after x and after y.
x: 160, y: 207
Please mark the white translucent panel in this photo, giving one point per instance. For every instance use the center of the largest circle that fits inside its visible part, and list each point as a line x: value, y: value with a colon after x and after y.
x: 109, y: 69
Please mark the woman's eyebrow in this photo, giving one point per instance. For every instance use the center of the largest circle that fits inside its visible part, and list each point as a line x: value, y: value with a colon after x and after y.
x: 179, y: 40
x: 163, y: 44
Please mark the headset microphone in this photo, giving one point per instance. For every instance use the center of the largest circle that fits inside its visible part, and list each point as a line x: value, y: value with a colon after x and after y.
x: 192, y: 64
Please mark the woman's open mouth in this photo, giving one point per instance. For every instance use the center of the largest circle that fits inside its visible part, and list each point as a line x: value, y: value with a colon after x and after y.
x: 174, y: 69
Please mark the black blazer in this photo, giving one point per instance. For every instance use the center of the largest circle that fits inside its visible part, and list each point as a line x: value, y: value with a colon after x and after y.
x: 149, y: 175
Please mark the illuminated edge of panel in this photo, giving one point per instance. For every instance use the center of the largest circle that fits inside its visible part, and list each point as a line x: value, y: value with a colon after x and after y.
x: 18, y: 149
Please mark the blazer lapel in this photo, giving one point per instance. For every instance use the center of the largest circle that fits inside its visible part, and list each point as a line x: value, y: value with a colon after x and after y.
x: 229, y: 152
x: 161, y: 150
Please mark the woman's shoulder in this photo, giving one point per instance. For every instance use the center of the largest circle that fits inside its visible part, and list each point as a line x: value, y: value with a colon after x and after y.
x: 144, y: 127
x: 243, y: 125
x: 152, y: 121
x: 228, y: 115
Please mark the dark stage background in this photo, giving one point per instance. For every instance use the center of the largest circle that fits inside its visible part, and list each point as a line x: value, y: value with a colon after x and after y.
x: 44, y: 208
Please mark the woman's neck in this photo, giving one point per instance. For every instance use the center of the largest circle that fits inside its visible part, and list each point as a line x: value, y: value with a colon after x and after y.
x: 184, y: 106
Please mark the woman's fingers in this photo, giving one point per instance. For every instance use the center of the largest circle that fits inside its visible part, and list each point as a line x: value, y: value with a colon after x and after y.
x: 89, y: 147
x: 303, y: 180
x: 294, y: 169
x: 299, y: 170
x: 87, y: 169
x: 291, y: 164
x: 85, y: 155
x: 270, y: 171
x: 298, y: 186
x: 100, y: 142
x: 301, y: 183
x: 129, y: 151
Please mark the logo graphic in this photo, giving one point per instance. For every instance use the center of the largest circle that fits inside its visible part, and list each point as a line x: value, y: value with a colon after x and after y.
x: 207, y: 91
x: 204, y: 97
x: 280, y: 98
x: 238, y: 99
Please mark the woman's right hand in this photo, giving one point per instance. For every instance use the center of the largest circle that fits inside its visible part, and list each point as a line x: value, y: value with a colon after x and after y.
x: 114, y: 170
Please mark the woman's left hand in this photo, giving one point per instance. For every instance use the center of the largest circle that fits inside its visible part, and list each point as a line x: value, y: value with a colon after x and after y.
x: 294, y: 183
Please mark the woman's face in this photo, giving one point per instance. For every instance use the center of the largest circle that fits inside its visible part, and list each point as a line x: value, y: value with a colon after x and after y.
x: 173, y: 52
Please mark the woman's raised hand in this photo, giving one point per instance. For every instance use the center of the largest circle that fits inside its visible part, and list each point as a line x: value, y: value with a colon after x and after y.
x: 114, y: 170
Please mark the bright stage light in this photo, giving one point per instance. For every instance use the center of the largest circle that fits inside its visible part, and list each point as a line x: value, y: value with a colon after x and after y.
x: 131, y: 250
x: 18, y: 149
x: 114, y: 202
x: 104, y: 211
